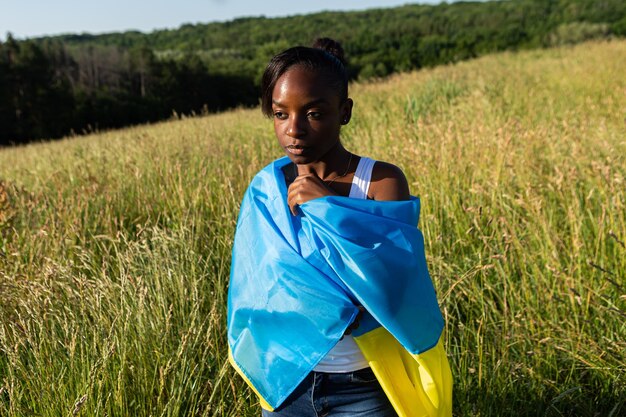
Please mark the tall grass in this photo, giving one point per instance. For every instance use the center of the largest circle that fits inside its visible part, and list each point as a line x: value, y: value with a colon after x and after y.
x: 115, y: 248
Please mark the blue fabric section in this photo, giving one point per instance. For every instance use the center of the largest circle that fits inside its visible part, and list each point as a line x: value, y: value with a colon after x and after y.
x: 377, y: 250
x: 296, y: 280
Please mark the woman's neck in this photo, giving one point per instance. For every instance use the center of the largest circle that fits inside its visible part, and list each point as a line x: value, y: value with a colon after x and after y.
x: 334, y: 163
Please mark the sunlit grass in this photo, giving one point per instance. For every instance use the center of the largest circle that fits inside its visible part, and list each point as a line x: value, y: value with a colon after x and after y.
x: 115, y: 248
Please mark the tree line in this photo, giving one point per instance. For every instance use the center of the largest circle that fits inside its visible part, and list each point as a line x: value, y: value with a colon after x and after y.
x: 55, y: 86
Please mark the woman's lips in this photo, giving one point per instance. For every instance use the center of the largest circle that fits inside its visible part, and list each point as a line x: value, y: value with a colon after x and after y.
x: 297, y: 150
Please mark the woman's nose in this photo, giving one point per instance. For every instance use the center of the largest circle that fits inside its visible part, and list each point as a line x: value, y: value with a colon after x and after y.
x: 295, y: 127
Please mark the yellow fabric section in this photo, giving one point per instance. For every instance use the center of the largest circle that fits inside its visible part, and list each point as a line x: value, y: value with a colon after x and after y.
x: 417, y: 385
x: 264, y: 403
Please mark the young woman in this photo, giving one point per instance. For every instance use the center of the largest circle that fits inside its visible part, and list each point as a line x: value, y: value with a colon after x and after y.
x: 318, y: 257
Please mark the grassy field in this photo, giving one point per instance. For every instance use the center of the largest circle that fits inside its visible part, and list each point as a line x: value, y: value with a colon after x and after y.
x: 115, y: 247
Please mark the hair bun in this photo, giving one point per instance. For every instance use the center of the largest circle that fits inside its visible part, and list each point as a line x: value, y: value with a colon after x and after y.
x: 332, y: 47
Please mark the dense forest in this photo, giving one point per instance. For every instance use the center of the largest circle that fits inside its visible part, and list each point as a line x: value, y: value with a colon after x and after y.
x: 71, y: 84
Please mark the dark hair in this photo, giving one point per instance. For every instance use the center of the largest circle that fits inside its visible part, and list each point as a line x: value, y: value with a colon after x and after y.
x: 325, y: 55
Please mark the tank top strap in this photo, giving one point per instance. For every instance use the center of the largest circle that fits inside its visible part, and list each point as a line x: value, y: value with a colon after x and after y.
x: 362, y: 178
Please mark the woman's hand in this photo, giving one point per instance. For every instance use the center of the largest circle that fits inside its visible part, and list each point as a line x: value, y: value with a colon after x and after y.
x: 356, y: 322
x: 304, y: 188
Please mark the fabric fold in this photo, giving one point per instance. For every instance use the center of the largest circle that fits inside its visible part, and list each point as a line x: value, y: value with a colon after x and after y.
x: 296, y: 281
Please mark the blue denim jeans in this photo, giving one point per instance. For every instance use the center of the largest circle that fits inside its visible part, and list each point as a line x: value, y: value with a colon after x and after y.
x: 348, y: 394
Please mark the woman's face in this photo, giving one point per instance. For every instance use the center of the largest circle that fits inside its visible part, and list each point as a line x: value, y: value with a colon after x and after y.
x: 308, y: 114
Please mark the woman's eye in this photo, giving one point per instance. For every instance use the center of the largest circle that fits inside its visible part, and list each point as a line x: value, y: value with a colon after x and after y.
x: 280, y: 115
x: 315, y: 115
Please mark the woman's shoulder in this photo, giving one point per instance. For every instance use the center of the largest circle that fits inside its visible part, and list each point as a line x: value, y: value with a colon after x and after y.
x: 388, y: 182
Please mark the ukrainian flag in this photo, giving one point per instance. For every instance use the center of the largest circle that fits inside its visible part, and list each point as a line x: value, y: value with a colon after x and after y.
x: 296, y: 282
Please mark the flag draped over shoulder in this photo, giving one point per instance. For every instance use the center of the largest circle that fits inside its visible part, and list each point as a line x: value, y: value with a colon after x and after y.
x: 296, y: 282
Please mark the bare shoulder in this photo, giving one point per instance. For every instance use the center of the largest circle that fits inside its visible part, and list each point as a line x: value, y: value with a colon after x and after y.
x: 388, y: 183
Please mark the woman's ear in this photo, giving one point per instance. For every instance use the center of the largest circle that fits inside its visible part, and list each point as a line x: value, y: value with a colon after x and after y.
x: 346, y: 111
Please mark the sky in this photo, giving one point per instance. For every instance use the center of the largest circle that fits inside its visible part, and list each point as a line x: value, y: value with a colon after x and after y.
x: 32, y: 18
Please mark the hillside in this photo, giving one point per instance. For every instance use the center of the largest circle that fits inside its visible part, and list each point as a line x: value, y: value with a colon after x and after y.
x: 96, y: 82
x: 115, y: 247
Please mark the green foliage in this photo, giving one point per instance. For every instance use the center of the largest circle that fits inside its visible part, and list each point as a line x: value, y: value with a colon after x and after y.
x: 118, y: 79
x: 97, y: 87
x: 619, y: 28
x: 577, y: 32
x: 30, y: 89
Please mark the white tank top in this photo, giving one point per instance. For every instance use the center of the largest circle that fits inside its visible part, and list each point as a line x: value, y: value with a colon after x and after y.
x: 346, y: 356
